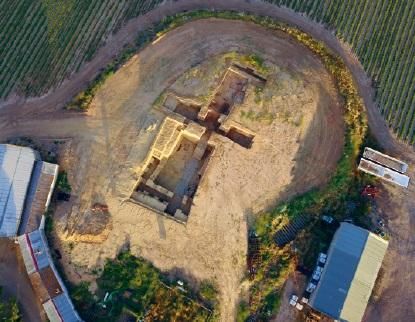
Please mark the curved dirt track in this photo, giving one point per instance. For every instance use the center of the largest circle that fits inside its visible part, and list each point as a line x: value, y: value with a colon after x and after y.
x: 54, y: 101
x: 397, y: 303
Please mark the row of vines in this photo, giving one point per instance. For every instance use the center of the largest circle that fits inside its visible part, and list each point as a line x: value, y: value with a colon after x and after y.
x: 43, y: 42
x: 382, y: 34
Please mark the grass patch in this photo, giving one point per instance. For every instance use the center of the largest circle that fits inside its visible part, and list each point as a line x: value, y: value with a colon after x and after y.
x: 134, y: 285
x: 257, y: 62
x: 243, y: 312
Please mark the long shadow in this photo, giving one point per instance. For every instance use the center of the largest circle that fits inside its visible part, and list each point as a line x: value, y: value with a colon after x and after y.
x: 315, y: 159
x: 162, y: 228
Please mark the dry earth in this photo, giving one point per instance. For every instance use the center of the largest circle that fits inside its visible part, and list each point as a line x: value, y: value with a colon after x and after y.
x: 285, y: 158
x: 109, y: 143
x: 39, y: 117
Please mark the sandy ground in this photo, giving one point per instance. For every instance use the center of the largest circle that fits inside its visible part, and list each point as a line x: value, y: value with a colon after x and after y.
x: 285, y: 159
x: 294, y: 285
x: 39, y: 116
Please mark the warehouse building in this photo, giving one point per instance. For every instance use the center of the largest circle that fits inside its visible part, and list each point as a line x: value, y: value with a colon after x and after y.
x: 354, y: 259
x: 16, y: 169
x: 26, y: 186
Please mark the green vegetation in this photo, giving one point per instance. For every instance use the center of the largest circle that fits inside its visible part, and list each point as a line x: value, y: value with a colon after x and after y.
x: 62, y: 183
x: 134, y: 285
x: 379, y: 33
x: 243, y: 312
x: 9, y: 311
x: 256, y: 62
x: 262, y: 116
x: 64, y: 34
x: 44, y: 42
x: 49, y: 221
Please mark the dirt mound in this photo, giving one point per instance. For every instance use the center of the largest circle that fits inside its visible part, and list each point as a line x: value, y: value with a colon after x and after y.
x: 92, y: 227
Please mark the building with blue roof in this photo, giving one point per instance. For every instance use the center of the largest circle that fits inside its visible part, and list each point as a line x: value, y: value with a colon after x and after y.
x: 353, y: 262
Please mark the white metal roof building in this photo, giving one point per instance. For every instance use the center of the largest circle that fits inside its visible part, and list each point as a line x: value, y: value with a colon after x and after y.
x: 383, y: 172
x: 354, y: 259
x: 26, y: 186
x: 16, y: 165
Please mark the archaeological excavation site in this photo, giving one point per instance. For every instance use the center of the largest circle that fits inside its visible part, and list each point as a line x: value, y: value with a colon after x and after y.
x: 207, y: 161
x: 175, y: 168
x: 183, y: 146
x: 185, y: 150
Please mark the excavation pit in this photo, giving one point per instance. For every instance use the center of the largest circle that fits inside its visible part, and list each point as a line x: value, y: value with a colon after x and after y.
x: 237, y: 183
x: 240, y: 137
x: 181, y: 150
x: 174, y: 168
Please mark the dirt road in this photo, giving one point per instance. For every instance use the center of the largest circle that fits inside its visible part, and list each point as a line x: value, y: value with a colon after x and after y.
x: 17, y: 115
x: 30, y: 108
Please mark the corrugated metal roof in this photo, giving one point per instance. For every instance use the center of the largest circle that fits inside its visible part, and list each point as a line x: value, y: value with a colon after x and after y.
x: 353, y: 262
x: 27, y: 254
x: 364, y: 278
x: 383, y: 172
x: 65, y: 308
x: 39, y: 194
x: 37, y: 259
x: 16, y: 168
x: 39, y: 249
x: 385, y: 160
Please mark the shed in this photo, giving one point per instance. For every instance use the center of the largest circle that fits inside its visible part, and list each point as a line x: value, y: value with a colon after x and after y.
x: 354, y: 259
x: 16, y: 165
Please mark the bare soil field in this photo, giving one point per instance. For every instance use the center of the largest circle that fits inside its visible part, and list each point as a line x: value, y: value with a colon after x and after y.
x: 294, y: 150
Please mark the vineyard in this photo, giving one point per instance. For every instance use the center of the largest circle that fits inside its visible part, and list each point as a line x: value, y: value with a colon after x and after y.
x: 382, y: 34
x: 43, y: 42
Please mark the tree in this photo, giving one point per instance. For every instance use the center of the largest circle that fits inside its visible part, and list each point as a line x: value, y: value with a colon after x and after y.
x: 9, y: 311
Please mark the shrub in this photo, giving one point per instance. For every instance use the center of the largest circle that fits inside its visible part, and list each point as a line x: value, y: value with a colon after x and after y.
x: 242, y: 313
x: 9, y: 311
x: 134, y: 284
x: 62, y: 182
